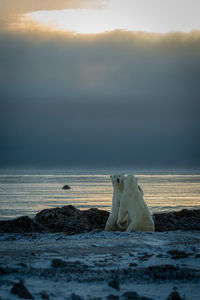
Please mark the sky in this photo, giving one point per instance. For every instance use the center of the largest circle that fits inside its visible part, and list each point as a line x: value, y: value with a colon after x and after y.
x: 99, y: 83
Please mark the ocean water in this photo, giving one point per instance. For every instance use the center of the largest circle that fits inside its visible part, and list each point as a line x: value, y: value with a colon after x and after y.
x: 26, y: 192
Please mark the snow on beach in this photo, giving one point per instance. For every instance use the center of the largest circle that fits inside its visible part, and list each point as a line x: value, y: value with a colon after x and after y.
x: 40, y: 259
x: 101, y: 265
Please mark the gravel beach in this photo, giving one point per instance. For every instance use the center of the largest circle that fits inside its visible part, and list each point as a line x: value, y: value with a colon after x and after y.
x: 100, y: 265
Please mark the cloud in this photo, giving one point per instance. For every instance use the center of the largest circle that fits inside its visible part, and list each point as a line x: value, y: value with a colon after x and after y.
x: 12, y: 11
x: 123, y: 97
x: 24, y: 6
x: 149, y: 70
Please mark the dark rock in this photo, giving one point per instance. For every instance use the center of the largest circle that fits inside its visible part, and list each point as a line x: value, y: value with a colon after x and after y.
x: 131, y: 254
x: 174, y: 295
x: 69, y: 266
x: 112, y: 297
x: 44, y: 295
x: 3, y: 271
x: 114, y: 283
x: 144, y: 257
x: 66, y: 187
x: 22, y: 265
x: 20, y: 225
x: 21, y: 291
x: 176, y: 254
x: 166, y: 272
x: 133, y: 265
x: 58, y: 263
x: 130, y: 295
x: 76, y: 297
x: 71, y: 220
x: 160, y: 255
x: 134, y: 296
x: 178, y: 220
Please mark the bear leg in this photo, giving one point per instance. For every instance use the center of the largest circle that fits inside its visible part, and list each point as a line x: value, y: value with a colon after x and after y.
x: 111, y: 224
x: 122, y: 218
x: 131, y: 227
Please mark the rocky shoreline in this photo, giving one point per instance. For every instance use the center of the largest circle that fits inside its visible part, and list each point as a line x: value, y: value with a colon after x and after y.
x: 64, y: 253
x: 70, y: 220
x: 100, y: 266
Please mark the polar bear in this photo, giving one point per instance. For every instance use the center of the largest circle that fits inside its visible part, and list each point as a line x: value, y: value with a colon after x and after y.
x: 132, y: 202
x: 118, y: 186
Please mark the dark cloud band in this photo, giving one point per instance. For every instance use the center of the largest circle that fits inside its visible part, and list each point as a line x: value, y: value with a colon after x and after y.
x: 119, y: 97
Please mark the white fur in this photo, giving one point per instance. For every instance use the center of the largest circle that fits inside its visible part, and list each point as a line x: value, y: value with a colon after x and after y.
x: 118, y: 186
x: 132, y: 202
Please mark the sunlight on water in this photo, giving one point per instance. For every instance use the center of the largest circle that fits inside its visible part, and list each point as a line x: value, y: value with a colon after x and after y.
x: 27, y: 194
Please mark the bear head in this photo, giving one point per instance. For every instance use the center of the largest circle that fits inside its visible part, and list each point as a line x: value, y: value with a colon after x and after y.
x: 118, y: 180
x: 131, y: 182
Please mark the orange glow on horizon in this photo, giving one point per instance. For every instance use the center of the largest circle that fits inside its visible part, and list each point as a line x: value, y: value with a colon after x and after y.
x: 153, y: 16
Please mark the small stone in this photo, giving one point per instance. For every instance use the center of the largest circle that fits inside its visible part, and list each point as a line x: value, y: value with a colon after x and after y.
x: 22, y: 265
x: 145, y: 256
x: 66, y: 187
x: 176, y: 254
x: 112, y: 297
x: 76, y: 297
x: 21, y: 291
x: 58, y: 263
x: 115, y: 282
x: 133, y: 265
x: 44, y: 295
x: 3, y: 271
x: 132, y: 295
x: 160, y: 255
x: 174, y: 296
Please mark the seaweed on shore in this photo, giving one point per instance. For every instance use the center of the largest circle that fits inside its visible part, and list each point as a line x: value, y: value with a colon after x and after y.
x: 70, y: 220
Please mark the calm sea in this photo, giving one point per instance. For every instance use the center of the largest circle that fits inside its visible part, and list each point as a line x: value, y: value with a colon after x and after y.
x: 27, y: 192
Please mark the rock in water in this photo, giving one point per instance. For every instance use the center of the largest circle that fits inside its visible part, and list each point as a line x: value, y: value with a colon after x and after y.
x: 21, y: 291
x: 66, y: 187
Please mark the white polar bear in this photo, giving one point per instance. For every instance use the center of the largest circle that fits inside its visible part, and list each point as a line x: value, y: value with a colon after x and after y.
x: 132, y: 202
x: 118, y: 186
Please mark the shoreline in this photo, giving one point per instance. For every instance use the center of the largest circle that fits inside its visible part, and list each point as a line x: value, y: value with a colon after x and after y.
x: 64, y: 253
x: 70, y: 220
x: 101, y: 265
